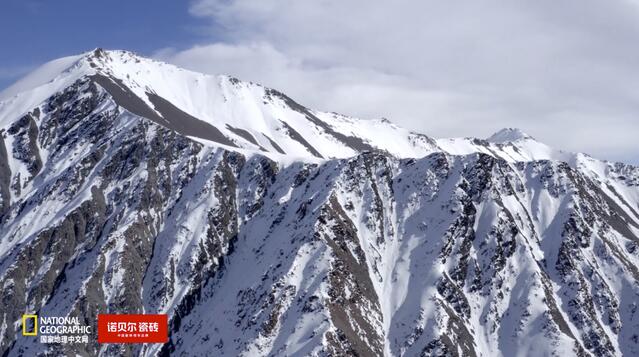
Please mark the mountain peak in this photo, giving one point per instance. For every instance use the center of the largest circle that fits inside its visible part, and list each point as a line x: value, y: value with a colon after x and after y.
x: 101, y: 58
x: 98, y: 52
x: 70, y: 68
x: 508, y: 135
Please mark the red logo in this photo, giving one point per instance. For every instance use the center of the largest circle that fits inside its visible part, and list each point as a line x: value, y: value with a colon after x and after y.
x: 133, y: 328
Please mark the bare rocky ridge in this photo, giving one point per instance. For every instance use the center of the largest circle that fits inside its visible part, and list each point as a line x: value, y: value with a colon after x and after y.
x: 109, y: 207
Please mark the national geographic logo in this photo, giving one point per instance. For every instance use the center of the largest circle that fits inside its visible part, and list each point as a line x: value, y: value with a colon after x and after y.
x: 29, y: 325
x: 56, y: 329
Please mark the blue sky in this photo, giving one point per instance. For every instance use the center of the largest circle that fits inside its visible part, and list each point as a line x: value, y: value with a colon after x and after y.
x: 563, y: 72
x: 36, y: 31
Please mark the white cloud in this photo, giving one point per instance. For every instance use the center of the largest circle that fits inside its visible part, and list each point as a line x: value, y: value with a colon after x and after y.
x: 563, y: 71
x: 9, y: 74
x: 13, y: 72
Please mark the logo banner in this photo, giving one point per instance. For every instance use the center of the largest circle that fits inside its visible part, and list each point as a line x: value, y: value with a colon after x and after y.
x: 132, y: 328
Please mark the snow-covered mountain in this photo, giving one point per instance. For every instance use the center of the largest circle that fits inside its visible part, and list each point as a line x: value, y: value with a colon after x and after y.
x: 264, y: 228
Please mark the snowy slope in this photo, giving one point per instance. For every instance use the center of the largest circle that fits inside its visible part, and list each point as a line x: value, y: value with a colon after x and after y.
x: 239, y: 114
x: 263, y: 228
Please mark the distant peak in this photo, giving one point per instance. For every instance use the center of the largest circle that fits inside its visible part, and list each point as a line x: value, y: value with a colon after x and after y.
x: 507, y: 135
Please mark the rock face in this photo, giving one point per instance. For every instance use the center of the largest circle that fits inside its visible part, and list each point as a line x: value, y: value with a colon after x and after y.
x: 108, y: 205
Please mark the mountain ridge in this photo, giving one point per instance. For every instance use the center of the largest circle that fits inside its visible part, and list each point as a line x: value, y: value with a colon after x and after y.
x: 105, y: 66
x: 274, y: 117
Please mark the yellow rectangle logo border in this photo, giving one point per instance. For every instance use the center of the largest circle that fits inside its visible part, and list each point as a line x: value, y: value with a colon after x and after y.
x: 24, y: 325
